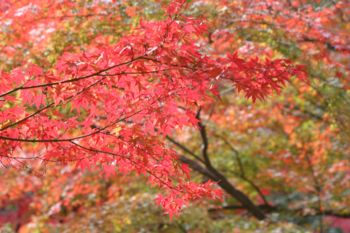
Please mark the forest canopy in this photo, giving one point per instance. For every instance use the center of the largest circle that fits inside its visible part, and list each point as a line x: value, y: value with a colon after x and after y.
x: 174, y: 116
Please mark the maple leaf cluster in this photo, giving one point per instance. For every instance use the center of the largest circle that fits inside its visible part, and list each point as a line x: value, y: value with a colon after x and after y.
x: 114, y: 104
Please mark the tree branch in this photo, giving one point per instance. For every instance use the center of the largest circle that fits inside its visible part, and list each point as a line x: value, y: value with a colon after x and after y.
x: 205, y: 141
x: 242, y: 174
x: 70, y: 80
x: 184, y: 148
x: 222, y: 181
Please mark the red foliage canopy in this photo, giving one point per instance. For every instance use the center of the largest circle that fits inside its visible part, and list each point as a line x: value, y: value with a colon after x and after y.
x: 113, y: 104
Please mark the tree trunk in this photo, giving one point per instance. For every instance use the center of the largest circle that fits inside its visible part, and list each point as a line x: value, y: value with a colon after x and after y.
x: 221, y: 180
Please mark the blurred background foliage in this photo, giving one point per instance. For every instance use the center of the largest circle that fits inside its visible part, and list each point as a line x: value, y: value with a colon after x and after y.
x: 289, y: 154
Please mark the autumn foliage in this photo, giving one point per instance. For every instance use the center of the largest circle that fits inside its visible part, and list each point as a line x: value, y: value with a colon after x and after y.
x: 110, y: 101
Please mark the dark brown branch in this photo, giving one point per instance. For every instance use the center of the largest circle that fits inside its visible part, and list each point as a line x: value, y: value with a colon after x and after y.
x: 235, y: 152
x: 73, y: 79
x: 27, y: 117
x: 74, y: 138
x: 50, y: 105
x: 197, y: 167
x: 184, y: 148
x: 205, y: 141
x: 281, y: 209
x: 125, y: 157
x: 242, y: 174
x: 210, y: 172
x: 222, y: 181
x: 266, y: 208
